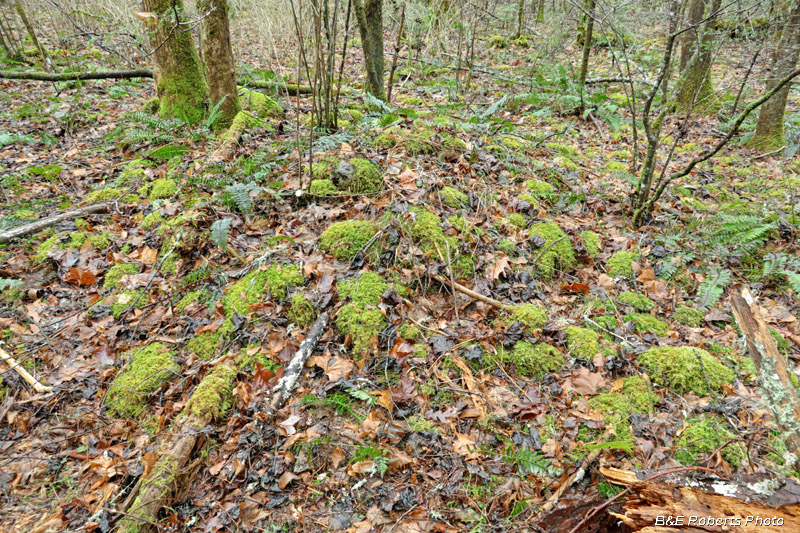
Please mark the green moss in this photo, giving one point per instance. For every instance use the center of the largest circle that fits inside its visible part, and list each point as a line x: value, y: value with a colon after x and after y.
x: 150, y: 369
x: 132, y: 173
x: 50, y: 172
x: 591, y: 241
x: 163, y: 188
x: 531, y: 315
x: 360, y: 319
x: 507, y: 246
x: 556, y: 250
x: 302, y: 311
x: 151, y: 106
x: 633, y: 397
x: 453, y: 197
x: 681, y: 369
x: 517, y: 219
x: 250, y: 289
x: 498, y: 41
x: 344, y: 239
x: 259, y: 105
x: 637, y: 301
x: 615, y: 166
x: 782, y: 344
x: 213, y: 396
x: 205, y: 345
x: 52, y: 243
x: 102, y: 195
x: 533, y: 360
x: 531, y: 199
x: 426, y: 232
x: 419, y: 140
x: 582, y: 343
x: 463, y: 267
x: 189, y: 299
x: 408, y: 331
x: 366, y: 177
x: 688, y: 316
x: 126, y: 298
x: 707, y: 434
x: 418, y: 423
x: 563, y: 149
x: 152, y: 220
x: 645, y: 322
x: 513, y: 144
x: 540, y: 189
x: 458, y: 222
x: 619, y: 264
x: 116, y: 272
x: 367, y: 289
x: 324, y: 187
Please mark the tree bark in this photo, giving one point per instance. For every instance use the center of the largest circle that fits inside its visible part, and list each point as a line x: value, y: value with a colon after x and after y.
x: 694, y: 15
x: 218, y: 59
x: 29, y: 27
x: 180, y: 85
x: 769, y: 134
x: 697, y: 87
x: 587, y: 44
x: 520, y: 18
x: 369, y: 14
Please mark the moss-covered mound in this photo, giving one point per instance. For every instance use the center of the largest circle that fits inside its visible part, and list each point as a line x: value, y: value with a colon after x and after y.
x: 685, y: 369
x: 633, y: 396
x: 583, y: 343
x: 116, y: 272
x: 323, y: 187
x: 591, y: 241
x: 189, y: 299
x: 707, y: 434
x: 150, y: 368
x: 344, y: 239
x: 162, y: 188
x: 645, y: 322
x: 688, y: 316
x: 250, y: 289
x: 533, y: 360
x: 421, y: 139
x: 637, y: 301
x: 540, y: 189
x: 531, y: 315
x: 213, y: 396
x: 620, y: 264
x: 556, y: 250
x: 205, y: 345
x: 126, y: 299
x: 302, y: 311
x: 366, y: 177
x: 360, y: 318
x: 452, y: 197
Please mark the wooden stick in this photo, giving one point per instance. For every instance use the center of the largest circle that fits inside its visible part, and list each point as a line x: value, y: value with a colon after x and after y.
x: 24, y: 374
x: 469, y: 292
x: 49, y: 221
x: 74, y: 76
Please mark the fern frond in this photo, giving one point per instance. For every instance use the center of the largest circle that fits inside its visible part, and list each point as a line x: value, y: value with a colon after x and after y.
x: 221, y: 231
x: 710, y: 291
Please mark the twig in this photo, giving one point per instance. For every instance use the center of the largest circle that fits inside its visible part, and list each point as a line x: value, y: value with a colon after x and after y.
x: 469, y: 292
x: 762, y: 156
x: 49, y: 221
x: 547, y: 248
x: 452, y: 280
x: 24, y: 374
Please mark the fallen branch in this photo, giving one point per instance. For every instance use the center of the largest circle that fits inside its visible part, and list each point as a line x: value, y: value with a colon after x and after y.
x: 469, y: 292
x: 24, y: 374
x: 49, y: 221
x: 76, y: 76
x: 597, y: 81
x: 291, y: 88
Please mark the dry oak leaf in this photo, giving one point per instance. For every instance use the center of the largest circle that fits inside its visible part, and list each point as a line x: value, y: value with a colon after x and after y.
x: 335, y: 367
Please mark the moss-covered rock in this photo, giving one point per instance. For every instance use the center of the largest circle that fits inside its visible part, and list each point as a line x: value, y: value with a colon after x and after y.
x: 302, y: 311
x: 366, y: 177
x: 556, y: 250
x: 452, y: 197
x: 498, y: 41
x: 517, y: 220
x: 591, y: 241
x: 582, y: 343
x: 213, y: 396
x: 531, y: 315
x: 163, y: 188
x: 323, y: 187
x: 360, y: 319
x: 645, y: 322
x: 149, y: 369
x: 125, y: 299
x: 688, y: 316
x: 344, y: 239
x: 116, y: 272
x: 259, y: 104
x: 540, y: 189
x: 530, y: 199
x: 620, y: 264
x: 707, y: 434
x: 634, y: 396
x: 637, y: 301
x: 685, y: 369
x: 533, y: 360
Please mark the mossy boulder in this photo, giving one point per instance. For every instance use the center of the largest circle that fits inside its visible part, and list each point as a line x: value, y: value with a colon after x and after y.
x: 707, y: 434
x: 591, y: 241
x: 344, y: 239
x: 149, y: 369
x: 365, y: 177
x: 582, y: 343
x: 302, y: 311
x: 556, y: 251
x: 637, y: 301
x: 645, y: 322
x: 259, y: 104
x: 621, y: 264
x: 163, y: 188
x: 213, y: 397
x: 533, y: 360
x: 452, y: 197
x: 360, y: 318
x: 116, y: 272
x: 685, y: 368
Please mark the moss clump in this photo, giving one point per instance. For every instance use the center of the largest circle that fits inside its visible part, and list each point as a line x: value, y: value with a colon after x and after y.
x: 634, y: 396
x: 418, y: 423
x: 460, y: 223
x: 615, y: 167
x: 42, y: 251
x: 152, y: 220
x: 344, y: 239
x: 591, y: 241
x: 205, y: 345
x: 531, y: 199
x: 50, y: 172
x: 556, y: 250
x: 517, y: 220
x: 150, y: 369
x: 425, y: 231
x: 463, y: 266
x: 360, y: 318
x: 782, y: 344
x: 302, y: 312
x: 98, y: 241
x: 116, y: 272
x: 645, y: 322
x: 688, y: 316
x: 102, y: 195
x: 163, y: 188
x: 507, y: 246
x: 419, y: 140
x: 533, y: 360
x: 620, y: 264
x: 324, y: 187
x: 133, y: 172
x: 366, y: 177
x: 707, y: 434
x: 127, y: 298
x: 498, y: 41
x: 531, y: 315
x: 408, y: 331
x: 259, y: 105
x: 279, y: 279
x: 189, y: 299
x: 583, y: 343
x: 637, y: 301
x: 367, y: 289
x: 250, y: 289
x: 540, y: 189
x: 453, y: 197
x: 681, y: 369
x: 213, y: 396
x: 151, y: 106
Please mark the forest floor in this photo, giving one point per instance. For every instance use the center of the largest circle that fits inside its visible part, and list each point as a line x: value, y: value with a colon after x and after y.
x: 423, y: 408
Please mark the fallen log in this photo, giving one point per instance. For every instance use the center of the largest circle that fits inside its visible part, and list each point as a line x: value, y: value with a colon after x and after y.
x: 24, y: 374
x: 39, y: 225
x: 76, y: 76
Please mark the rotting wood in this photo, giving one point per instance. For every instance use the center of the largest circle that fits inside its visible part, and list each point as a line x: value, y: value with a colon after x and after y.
x: 24, y: 374
x: 39, y: 225
x: 773, y: 375
x: 469, y: 292
x: 231, y: 138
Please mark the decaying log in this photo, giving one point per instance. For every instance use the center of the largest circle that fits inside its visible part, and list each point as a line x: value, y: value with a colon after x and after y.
x: 39, y: 225
x: 76, y: 76
x: 773, y: 375
x: 24, y: 374
x: 652, y: 501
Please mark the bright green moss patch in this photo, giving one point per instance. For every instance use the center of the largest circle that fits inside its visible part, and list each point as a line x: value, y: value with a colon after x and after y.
x: 98, y: 241
x: 507, y: 246
x: 460, y: 223
x: 344, y: 239
x: 205, y: 345
x: 688, y: 316
x: 360, y: 319
x: 102, y: 195
x: 453, y: 197
x: 213, y: 396
x: 189, y: 299
x: 591, y: 241
x: 637, y: 301
x: 152, y: 220
x: 582, y: 343
x: 556, y: 250
x: 685, y: 369
x: 323, y: 187
x: 163, y: 188
x: 707, y: 434
x: 279, y: 279
x: 531, y: 199
x: 150, y: 369
x: 421, y: 139
x: 517, y: 220
x: 782, y: 344
x: 540, y: 189
x: 259, y: 104
x: 533, y: 360
x: 302, y: 311
x: 133, y: 172
x: 116, y: 272
x: 366, y: 177
x: 127, y: 298
x: 633, y: 397
x: 408, y: 331
x: 46, y: 247
x: 426, y: 232
x: 619, y: 264
x: 645, y: 322
x: 250, y: 289
x: 367, y: 289
x: 531, y: 315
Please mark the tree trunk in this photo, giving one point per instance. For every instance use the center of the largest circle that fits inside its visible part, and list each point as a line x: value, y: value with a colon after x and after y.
x: 694, y: 15
x: 769, y: 132
x: 31, y: 33
x: 697, y: 87
x: 180, y: 85
x: 218, y: 59
x: 540, y: 12
x: 369, y: 14
x: 520, y: 18
x: 587, y: 43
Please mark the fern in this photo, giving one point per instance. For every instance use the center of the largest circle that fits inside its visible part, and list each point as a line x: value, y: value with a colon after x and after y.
x: 785, y: 265
x: 141, y: 128
x: 168, y: 152
x: 241, y: 194
x: 743, y: 233
x: 710, y: 291
x: 221, y: 231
